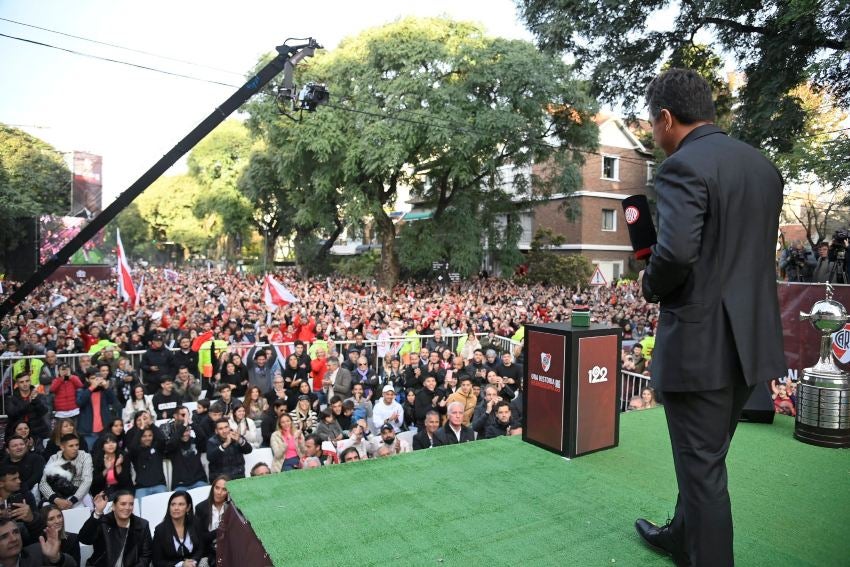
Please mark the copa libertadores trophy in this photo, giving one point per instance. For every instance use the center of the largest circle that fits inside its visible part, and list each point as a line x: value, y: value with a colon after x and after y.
x: 823, y: 394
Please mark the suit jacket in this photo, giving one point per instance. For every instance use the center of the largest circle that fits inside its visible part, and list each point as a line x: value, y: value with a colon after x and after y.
x: 713, y: 268
x: 342, y: 384
x: 445, y: 436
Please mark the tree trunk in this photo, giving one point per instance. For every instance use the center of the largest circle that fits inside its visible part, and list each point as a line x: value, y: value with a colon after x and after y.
x: 390, y: 267
x: 268, y: 250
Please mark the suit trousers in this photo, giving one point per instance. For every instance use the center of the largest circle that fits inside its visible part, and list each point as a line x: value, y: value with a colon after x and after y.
x: 701, y: 426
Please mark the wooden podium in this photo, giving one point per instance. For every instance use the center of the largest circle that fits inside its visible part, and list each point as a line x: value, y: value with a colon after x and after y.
x: 571, y: 387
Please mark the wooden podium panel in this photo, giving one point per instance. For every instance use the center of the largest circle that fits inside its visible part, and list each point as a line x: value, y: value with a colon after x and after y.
x: 570, y: 401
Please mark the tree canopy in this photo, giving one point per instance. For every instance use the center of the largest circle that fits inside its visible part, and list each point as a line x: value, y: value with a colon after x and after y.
x: 34, y: 181
x: 779, y: 45
x: 440, y: 107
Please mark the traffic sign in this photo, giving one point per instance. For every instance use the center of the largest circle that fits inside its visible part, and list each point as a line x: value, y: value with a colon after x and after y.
x: 598, y: 278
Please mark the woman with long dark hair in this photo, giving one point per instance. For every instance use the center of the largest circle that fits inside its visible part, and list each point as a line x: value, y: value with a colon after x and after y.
x: 177, y: 539
x: 136, y: 403
x: 116, y: 429
x: 110, y: 468
x: 293, y: 374
x: 208, y: 513
x: 242, y: 372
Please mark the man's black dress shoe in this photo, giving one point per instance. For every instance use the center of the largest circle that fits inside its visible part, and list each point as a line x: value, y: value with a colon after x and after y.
x: 660, y: 539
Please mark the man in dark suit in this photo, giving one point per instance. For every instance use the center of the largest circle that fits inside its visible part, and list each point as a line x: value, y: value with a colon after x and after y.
x: 454, y: 431
x: 719, y: 331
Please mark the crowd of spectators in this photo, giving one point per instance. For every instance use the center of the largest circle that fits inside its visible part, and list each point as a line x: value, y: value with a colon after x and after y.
x: 348, y: 366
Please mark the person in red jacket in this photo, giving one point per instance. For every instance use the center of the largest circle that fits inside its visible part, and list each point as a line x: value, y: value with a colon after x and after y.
x: 64, y: 389
x: 318, y: 369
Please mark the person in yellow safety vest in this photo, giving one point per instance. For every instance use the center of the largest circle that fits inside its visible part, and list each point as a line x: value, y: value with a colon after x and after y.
x: 33, y: 365
x: 519, y: 336
x: 319, y: 342
x: 205, y: 356
x: 411, y: 344
x: 648, y: 343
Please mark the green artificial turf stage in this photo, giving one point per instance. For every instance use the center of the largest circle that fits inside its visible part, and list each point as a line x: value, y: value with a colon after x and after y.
x: 505, y: 502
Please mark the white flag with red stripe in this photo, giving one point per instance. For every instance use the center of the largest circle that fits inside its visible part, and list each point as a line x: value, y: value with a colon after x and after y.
x: 126, y: 289
x: 276, y: 295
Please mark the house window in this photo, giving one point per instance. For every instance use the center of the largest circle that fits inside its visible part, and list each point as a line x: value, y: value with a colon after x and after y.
x: 610, y: 168
x: 609, y: 220
x: 650, y: 172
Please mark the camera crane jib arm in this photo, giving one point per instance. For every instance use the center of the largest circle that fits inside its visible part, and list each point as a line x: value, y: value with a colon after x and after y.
x: 288, y: 56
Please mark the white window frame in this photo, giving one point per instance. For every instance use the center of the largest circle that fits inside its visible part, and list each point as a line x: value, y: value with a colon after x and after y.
x: 650, y: 172
x: 616, y: 167
x: 613, y: 220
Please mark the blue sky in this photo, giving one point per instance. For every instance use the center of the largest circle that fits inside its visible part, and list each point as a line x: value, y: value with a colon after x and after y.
x: 132, y: 116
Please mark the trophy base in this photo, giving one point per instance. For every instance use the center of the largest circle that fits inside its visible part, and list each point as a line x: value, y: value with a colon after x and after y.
x: 822, y: 437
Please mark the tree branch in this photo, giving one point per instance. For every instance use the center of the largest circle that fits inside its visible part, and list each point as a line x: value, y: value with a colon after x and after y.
x: 825, y: 42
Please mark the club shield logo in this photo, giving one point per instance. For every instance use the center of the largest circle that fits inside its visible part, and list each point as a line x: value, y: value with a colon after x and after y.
x: 545, y: 361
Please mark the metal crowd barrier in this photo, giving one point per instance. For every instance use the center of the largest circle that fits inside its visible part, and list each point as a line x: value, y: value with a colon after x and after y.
x: 631, y: 385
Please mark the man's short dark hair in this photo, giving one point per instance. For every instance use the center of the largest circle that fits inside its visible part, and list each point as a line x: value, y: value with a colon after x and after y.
x: 222, y: 420
x: 223, y: 386
x: 204, y: 403
x: 257, y: 467
x: 316, y: 439
x: 464, y: 378
x: 349, y: 451
x: 217, y: 407
x: 502, y: 404
x: 8, y: 469
x: 684, y: 93
x: 334, y: 399
x: 68, y: 437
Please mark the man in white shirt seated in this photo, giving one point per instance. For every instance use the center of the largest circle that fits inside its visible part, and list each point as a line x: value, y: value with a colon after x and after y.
x: 388, y: 410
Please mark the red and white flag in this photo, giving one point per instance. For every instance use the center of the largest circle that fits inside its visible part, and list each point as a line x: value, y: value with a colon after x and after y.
x: 276, y: 295
x: 126, y: 289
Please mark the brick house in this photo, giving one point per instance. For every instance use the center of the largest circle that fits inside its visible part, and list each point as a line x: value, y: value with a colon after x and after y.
x: 620, y: 167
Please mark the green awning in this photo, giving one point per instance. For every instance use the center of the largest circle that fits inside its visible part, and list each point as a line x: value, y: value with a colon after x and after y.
x: 418, y: 215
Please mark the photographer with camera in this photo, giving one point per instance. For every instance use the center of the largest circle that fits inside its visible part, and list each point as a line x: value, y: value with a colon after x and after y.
x: 836, y: 254
x: 797, y: 263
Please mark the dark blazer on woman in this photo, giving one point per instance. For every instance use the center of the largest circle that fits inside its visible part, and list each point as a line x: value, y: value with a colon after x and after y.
x: 203, y: 515
x: 164, y: 552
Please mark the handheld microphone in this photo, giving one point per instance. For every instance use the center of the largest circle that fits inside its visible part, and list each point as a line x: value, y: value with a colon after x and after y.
x: 641, y: 228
